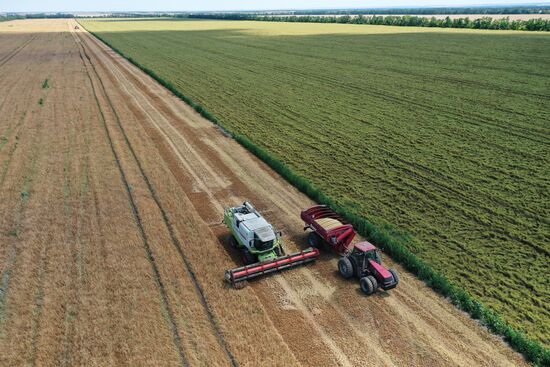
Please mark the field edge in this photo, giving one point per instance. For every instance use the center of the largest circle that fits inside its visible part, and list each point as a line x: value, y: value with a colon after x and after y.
x: 532, y: 350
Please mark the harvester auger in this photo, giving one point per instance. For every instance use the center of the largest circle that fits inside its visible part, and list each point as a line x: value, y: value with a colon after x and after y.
x: 361, y: 260
x: 261, y: 247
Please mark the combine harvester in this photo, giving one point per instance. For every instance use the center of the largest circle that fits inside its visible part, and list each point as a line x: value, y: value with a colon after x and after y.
x: 362, y: 260
x: 261, y: 247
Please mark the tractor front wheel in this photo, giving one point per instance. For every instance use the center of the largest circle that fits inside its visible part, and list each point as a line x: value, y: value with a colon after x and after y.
x: 374, y: 282
x: 345, y: 267
x: 366, y: 286
x: 315, y: 240
x: 395, y: 276
x: 248, y: 258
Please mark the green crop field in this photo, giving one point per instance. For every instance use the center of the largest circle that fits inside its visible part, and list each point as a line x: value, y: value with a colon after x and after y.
x: 444, y: 134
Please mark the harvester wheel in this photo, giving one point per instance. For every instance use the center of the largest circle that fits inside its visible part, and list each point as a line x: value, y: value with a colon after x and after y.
x: 315, y: 240
x: 374, y: 282
x: 279, y: 251
x: 233, y: 242
x: 366, y: 286
x: 248, y: 258
x: 345, y: 267
x: 395, y: 276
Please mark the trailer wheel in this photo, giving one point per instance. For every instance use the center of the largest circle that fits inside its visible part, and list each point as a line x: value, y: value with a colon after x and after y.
x: 345, y: 267
x: 366, y: 286
x: 248, y: 258
x: 374, y: 282
x: 315, y: 240
x: 395, y: 276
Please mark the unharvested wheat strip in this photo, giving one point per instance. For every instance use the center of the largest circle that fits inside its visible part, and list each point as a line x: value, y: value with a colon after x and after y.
x: 16, y: 104
x: 202, y: 342
x: 143, y: 92
x: 210, y: 180
x: 172, y: 271
x: 136, y: 303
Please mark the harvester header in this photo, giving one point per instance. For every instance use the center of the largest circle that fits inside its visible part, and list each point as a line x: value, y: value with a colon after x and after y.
x: 260, y: 245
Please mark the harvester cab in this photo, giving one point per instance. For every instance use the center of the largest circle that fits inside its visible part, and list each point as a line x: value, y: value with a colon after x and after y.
x: 260, y: 245
x: 364, y: 262
x: 253, y: 234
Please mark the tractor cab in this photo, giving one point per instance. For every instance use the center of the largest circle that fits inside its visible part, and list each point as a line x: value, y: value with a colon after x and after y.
x: 366, y: 251
x: 364, y: 262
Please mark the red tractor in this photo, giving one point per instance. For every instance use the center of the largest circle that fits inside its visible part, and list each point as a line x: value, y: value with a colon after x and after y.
x: 363, y: 260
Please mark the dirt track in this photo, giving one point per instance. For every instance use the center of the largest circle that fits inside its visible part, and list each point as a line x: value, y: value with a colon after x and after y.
x: 112, y: 251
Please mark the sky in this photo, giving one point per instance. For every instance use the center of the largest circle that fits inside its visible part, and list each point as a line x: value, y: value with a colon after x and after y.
x: 174, y: 5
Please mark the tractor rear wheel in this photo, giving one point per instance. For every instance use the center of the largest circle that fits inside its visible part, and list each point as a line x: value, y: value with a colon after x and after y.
x: 345, y: 267
x: 248, y: 258
x: 395, y: 276
x: 366, y: 286
x: 374, y: 282
x: 315, y: 240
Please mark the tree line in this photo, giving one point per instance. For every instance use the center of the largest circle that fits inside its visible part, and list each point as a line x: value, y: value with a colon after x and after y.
x: 430, y: 11
x: 12, y: 16
x: 395, y: 20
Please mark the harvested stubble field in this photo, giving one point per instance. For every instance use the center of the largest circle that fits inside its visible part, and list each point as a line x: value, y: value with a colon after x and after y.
x: 441, y: 133
x: 112, y: 252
